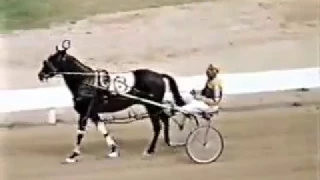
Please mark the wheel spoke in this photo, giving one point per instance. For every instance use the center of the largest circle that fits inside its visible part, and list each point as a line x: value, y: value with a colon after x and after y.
x: 206, y: 153
x: 198, y: 140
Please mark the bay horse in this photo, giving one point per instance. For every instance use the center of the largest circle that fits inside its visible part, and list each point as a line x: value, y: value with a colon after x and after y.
x: 88, y: 102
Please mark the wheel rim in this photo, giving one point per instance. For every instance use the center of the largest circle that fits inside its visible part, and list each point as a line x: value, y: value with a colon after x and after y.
x: 200, y: 152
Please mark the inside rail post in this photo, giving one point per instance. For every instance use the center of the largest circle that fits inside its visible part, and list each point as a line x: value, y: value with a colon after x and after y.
x: 52, y: 116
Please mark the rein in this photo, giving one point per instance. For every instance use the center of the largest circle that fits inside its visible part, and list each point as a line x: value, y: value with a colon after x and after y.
x: 80, y: 73
x: 101, y: 77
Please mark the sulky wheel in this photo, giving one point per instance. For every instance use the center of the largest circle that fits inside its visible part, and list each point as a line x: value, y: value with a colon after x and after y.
x: 180, y: 127
x: 204, y: 145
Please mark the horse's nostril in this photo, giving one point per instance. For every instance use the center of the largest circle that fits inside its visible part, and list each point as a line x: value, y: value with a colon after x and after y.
x: 41, y: 76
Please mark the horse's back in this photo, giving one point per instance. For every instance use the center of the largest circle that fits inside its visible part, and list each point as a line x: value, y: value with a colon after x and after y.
x: 147, y: 75
x: 146, y: 72
x: 150, y: 82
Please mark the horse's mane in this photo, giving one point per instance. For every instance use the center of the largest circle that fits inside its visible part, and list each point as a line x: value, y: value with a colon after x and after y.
x: 79, y: 63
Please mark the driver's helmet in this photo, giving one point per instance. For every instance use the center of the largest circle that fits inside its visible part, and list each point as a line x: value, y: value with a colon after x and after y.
x: 212, y: 71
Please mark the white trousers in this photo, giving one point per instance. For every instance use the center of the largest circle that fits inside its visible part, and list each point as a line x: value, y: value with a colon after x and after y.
x: 197, y: 106
x: 193, y: 106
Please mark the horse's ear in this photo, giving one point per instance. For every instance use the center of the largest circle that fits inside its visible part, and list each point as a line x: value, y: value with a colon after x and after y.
x: 57, y: 48
x: 66, y: 44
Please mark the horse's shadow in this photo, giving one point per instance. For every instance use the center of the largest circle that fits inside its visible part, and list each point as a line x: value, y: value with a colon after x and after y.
x: 97, y: 147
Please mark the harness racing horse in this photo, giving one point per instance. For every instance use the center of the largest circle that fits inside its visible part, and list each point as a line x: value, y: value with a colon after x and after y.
x: 90, y: 100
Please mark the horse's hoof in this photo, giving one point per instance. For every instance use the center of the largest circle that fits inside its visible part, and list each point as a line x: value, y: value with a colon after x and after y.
x: 69, y: 161
x: 168, y: 144
x: 147, y: 155
x: 114, y: 154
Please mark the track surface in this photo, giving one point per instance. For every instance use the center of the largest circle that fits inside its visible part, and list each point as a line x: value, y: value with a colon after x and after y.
x: 271, y: 144
x: 268, y: 144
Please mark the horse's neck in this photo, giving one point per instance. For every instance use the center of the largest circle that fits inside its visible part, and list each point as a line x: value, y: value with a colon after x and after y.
x: 73, y: 81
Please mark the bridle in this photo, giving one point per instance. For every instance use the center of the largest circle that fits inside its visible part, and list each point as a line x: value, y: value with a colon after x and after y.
x: 53, y: 69
x: 101, y: 77
x: 65, y: 45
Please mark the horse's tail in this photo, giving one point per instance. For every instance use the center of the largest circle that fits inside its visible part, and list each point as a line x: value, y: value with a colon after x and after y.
x: 175, y: 90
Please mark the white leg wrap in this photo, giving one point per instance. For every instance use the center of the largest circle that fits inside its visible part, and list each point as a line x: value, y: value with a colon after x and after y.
x: 110, y: 141
x: 80, y: 131
x: 102, y: 128
x: 76, y: 149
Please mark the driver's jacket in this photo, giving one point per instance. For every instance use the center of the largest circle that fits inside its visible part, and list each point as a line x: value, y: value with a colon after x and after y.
x: 212, y: 92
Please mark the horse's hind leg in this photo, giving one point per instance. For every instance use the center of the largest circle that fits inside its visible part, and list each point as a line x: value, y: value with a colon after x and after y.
x: 165, y: 120
x: 108, y: 138
x: 155, y: 120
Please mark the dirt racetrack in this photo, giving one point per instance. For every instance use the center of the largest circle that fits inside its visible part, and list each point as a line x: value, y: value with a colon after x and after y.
x: 265, y: 137
x: 273, y: 144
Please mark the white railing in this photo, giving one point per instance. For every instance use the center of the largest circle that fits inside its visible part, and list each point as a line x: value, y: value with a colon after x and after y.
x: 238, y: 83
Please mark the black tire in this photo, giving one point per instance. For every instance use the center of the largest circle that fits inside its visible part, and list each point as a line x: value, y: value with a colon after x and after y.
x: 190, y: 142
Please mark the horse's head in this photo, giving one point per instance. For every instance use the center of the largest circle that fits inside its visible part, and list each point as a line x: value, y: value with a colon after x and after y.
x: 54, y: 64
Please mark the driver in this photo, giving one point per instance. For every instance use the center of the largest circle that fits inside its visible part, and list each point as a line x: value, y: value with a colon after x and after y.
x: 208, y: 99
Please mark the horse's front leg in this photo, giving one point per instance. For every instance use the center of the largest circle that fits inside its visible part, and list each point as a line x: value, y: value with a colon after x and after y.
x: 106, y: 134
x: 82, y: 123
x: 84, y: 108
